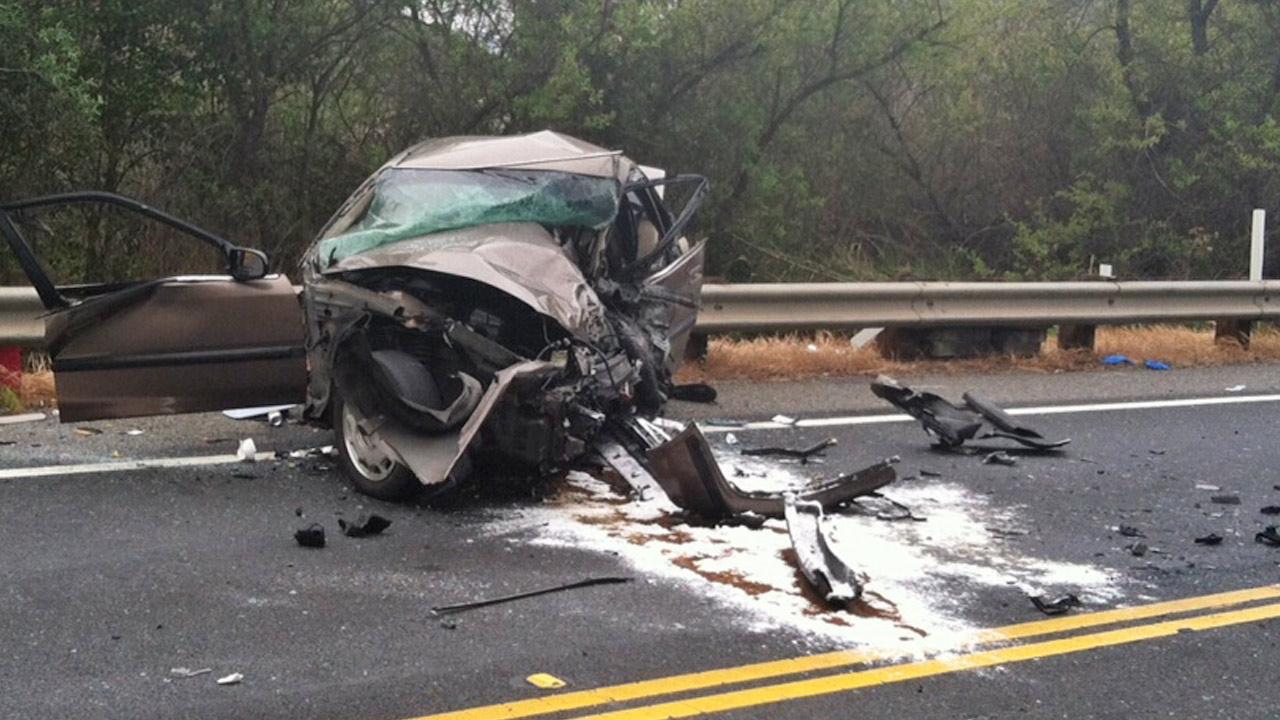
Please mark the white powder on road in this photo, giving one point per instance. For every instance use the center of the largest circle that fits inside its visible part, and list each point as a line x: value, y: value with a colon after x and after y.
x: 919, y: 576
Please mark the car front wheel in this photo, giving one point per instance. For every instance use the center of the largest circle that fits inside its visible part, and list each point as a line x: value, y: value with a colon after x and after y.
x: 368, y: 462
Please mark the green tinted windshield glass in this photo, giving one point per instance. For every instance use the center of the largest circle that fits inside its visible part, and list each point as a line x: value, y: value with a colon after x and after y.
x: 412, y: 203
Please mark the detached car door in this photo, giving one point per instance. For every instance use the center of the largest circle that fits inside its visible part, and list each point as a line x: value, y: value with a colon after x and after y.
x: 171, y: 345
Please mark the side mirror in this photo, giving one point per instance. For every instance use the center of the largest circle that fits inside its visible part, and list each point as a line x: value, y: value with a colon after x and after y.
x: 247, y: 263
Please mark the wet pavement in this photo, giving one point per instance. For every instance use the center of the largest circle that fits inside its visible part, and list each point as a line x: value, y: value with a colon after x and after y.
x: 112, y: 579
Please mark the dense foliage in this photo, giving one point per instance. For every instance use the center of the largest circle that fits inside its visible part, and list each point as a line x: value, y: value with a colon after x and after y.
x: 846, y: 139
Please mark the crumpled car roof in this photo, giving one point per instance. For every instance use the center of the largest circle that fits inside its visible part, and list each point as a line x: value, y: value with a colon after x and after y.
x: 543, y: 150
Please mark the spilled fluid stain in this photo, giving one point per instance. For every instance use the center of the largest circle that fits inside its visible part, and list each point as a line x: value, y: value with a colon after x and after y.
x: 724, y: 577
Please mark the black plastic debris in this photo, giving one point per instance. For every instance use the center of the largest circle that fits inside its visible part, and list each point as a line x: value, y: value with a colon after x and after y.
x: 1138, y: 549
x: 1130, y: 531
x: 951, y: 424
x: 461, y: 607
x: 1228, y: 499
x: 364, y: 526
x: 311, y: 536
x: 1270, y: 510
x: 694, y: 392
x: 893, y: 510
x: 1058, y: 606
x: 999, y: 457
x: 801, y: 454
x: 1268, y: 537
x: 930, y: 473
x: 1210, y: 539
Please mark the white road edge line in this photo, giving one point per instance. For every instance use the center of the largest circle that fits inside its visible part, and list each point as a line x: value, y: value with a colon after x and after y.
x: 122, y: 465
x: 1042, y: 410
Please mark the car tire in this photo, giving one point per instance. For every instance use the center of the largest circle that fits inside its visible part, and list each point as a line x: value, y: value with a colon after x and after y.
x: 370, y: 468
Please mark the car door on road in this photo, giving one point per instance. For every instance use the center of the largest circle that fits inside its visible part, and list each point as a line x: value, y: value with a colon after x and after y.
x: 174, y: 344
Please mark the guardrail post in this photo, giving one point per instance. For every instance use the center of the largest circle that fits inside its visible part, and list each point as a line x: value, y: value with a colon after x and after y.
x: 1257, y: 244
x: 695, y: 350
x: 1233, y: 330
x: 1076, y: 337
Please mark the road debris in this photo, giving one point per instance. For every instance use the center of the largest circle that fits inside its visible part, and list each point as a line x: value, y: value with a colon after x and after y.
x: 1138, y: 549
x: 1210, y: 539
x: 1268, y: 536
x: 1270, y: 510
x: 589, y: 582
x: 694, y: 393
x: 930, y: 473
x: 1006, y: 531
x: 247, y: 451
x: 311, y: 536
x: 687, y: 471
x: 1058, y: 606
x: 951, y: 425
x: 830, y: 576
x: 265, y: 412
x: 134, y: 431
x: 1130, y: 531
x: 897, y: 510
x: 1206, y: 486
x: 730, y: 439
x: 1225, y: 499
x: 999, y: 457
x: 364, y: 526
x: 543, y: 681
x: 232, y: 679
x: 1235, y: 388
x: 87, y: 431
x: 783, y: 419
x: 1156, y: 365
x: 184, y: 673
x: 1115, y: 360
x: 21, y: 418
x: 801, y: 454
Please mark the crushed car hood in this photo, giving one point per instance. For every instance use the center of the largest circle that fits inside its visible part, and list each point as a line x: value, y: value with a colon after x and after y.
x: 522, y: 260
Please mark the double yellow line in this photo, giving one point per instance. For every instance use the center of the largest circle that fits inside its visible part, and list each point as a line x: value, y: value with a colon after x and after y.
x: 765, y: 694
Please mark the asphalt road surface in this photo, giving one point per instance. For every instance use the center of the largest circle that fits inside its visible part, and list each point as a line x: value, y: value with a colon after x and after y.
x: 113, y: 575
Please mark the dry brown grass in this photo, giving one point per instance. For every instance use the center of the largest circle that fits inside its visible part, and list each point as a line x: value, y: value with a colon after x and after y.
x: 826, y: 354
x: 36, y: 390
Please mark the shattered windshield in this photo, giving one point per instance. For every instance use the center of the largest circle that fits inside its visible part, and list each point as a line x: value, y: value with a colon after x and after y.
x: 410, y: 203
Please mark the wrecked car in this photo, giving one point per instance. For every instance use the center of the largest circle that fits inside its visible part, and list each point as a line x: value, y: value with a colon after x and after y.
x: 476, y: 300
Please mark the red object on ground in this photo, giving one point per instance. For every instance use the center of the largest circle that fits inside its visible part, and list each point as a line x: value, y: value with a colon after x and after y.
x: 11, y: 366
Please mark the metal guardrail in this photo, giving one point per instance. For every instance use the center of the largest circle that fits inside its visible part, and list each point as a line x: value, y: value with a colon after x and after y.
x: 773, y: 307
x: 841, y: 306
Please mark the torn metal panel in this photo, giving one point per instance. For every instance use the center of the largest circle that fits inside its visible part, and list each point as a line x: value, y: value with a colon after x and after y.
x: 1009, y: 427
x: 436, y: 458
x: 952, y: 424
x: 831, y: 577
x: 688, y: 472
